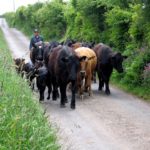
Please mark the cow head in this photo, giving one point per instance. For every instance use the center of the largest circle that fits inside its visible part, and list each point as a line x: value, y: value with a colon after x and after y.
x: 116, y: 61
x: 19, y: 62
x: 83, y: 65
x: 38, y: 51
x: 72, y: 64
x: 69, y: 62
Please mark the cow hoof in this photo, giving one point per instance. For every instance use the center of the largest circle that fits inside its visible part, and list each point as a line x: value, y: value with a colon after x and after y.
x: 81, y: 97
x: 41, y: 100
x: 62, y: 106
x: 85, y: 90
x: 54, y: 98
x: 90, y: 93
x: 66, y: 100
x: 107, y: 92
x: 72, y: 106
x: 57, y: 94
x: 100, y: 88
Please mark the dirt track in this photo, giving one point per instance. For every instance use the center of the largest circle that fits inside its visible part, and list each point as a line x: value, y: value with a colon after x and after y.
x: 116, y: 122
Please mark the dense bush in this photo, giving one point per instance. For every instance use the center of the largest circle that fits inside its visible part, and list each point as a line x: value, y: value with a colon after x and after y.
x: 118, y: 22
x: 50, y: 20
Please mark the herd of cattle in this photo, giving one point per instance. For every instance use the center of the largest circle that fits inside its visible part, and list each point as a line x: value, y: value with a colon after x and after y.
x: 56, y: 65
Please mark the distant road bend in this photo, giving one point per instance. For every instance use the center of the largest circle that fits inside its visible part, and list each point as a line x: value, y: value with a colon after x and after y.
x: 116, y: 122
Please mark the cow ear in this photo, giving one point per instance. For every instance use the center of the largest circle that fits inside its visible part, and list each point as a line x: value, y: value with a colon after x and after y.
x: 92, y: 43
x: 65, y: 59
x: 83, y: 58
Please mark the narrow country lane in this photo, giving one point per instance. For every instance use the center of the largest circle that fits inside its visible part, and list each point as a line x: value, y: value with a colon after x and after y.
x: 116, y: 122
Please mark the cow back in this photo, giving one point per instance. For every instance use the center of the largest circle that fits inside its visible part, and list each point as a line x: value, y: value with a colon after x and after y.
x: 52, y: 59
x: 103, y: 53
x: 90, y: 54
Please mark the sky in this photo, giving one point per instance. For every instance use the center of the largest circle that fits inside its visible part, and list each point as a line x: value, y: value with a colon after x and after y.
x: 11, y: 5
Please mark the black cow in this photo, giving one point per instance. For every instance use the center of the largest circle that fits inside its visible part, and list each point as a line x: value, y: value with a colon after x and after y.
x: 37, y: 52
x: 106, y: 61
x: 43, y: 80
x: 63, y: 66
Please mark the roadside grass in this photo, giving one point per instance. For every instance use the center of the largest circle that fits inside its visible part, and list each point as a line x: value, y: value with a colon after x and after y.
x: 140, y: 92
x: 23, y: 125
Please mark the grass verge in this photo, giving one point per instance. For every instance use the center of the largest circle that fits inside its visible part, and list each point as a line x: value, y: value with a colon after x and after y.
x: 22, y: 122
x: 140, y: 92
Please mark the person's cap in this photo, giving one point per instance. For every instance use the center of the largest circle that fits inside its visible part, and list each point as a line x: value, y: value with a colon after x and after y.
x: 36, y: 30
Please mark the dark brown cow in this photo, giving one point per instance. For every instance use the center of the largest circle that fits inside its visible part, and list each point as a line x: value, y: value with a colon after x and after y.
x: 63, y: 66
x: 106, y: 61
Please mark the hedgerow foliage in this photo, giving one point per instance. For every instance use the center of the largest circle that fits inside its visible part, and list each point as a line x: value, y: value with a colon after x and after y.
x: 122, y: 24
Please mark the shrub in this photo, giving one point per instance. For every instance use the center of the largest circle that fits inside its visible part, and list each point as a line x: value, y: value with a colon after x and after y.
x: 118, y: 21
x: 146, y: 76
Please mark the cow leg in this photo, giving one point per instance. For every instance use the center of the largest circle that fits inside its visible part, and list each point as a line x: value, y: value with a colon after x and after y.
x: 101, y: 82
x: 57, y: 93
x: 88, y: 84
x: 42, y: 89
x: 107, y: 90
x: 94, y: 76
x: 81, y: 87
x: 73, y: 102
x: 49, y: 91
x: 55, y: 89
x: 107, y: 75
x: 48, y: 83
x: 63, y: 95
x: 54, y: 96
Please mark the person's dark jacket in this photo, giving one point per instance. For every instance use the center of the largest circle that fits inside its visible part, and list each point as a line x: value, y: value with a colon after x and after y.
x: 34, y: 40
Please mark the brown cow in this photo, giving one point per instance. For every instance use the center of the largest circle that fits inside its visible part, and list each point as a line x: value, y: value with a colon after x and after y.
x: 87, y: 66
